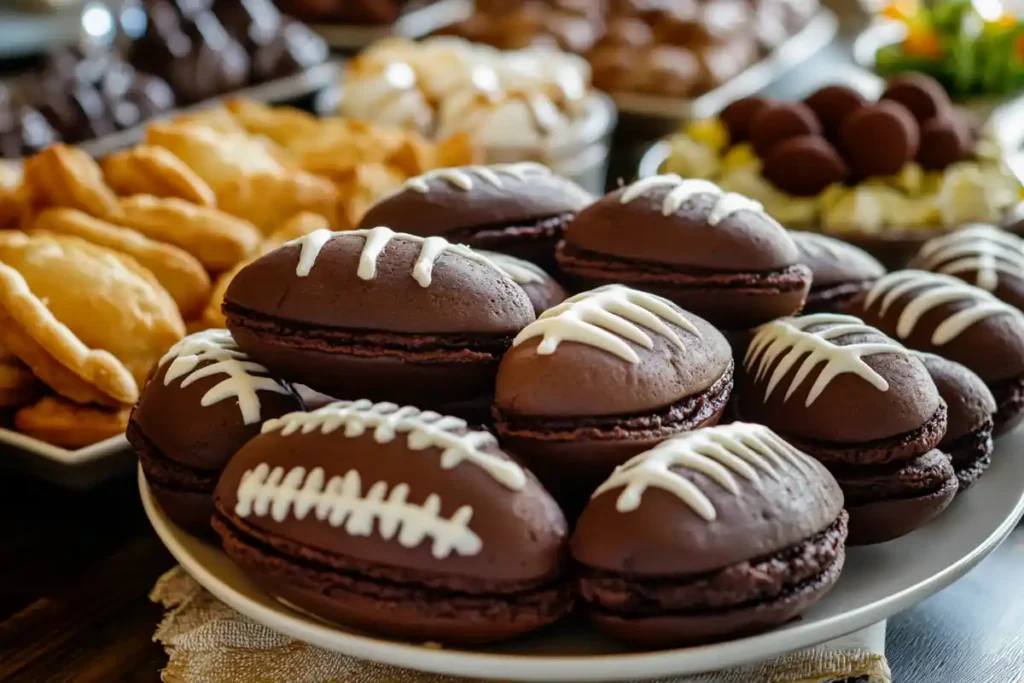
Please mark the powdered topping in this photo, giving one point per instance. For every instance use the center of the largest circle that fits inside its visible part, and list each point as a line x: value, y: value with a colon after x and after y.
x: 682, y: 190
x: 375, y: 241
x: 340, y: 501
x: 790, y: 340
x: 983, y: 249
x: 214, y: 352
x: 927, y: 292
x: 604, y: 318
x: 423, y: 429
x: 463, y: 178
x: 748, y: 450
x: 521, y: 272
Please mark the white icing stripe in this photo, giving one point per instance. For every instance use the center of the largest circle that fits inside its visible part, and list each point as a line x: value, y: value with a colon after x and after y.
x: 521, y: 272
x: 462, y: 178
x: 604, y: 318
x: 984, y: 250
x: 423, y: 429
x: 748, y: 450
x: 787, y: 339
x: 929, y: 291
x: 375, y: 241
x: 726, y: 204
x: 214, y: 352
x: 341, y: 501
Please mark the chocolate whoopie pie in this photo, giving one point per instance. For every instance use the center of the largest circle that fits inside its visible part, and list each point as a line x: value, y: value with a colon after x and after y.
x: 971, y: 410
x: 943, y: 315
x: 205, y: 401
x: 380, y: 315
x: 601, y: 377
x: 864, y: 406
x: 715, y: 253
x: 543, y: 290
x: 980, y: 255
x: 715, y: 534
x: 397, y: 521
x: 517, y: 209
x: 839, y: 271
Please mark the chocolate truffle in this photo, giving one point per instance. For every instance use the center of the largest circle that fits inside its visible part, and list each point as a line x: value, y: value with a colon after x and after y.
x: 923, y: 96
x: 715, y: 253
x: 879, y: 139
x: 943, y: 143
x: 738, y: 116
x: 779, y: 122
x: 832, y: 104
x: 382, y: 315
x: 804, y: 166
x: 396, y: 521
x: 715, y: 534
x: 543, y: 290
x: 602, y: 377
x: 980, y: 255
x: 971, y: 409
x: 943, y: 315
x: 839, y: 271
x: 206, y: 400
x: 864, y: 406
x: 516, y: 209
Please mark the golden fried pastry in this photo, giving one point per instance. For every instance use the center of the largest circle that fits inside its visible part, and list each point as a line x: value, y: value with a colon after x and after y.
x: 217, y: 239
x: 18, y: 386
x: 298, y: 225
x: 246, y: 177
x: 362, y: 186
x: 70, y: 425
x: 68, y: 177
x: 177, y: 271
x: 10, y: 202
x: 283, y: 125
x: 155, y: 171
x: 91, y: 323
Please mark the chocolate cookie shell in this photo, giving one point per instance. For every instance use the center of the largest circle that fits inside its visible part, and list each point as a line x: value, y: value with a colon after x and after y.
x: 380, y: 314
x: 839, y: 271
x: 780, y: 122
x: 543, y: 290
x: 804, y: 166
x: 205, y: 401
x: 422, y: 529
x: 602, y: 377
x: 971, y: 411
x: 940, y: 314
x: 923, y: 96
x: 877, y: 140
x: 517, y: 209
x: 980, y: 255
x: 738, y: 116
x: 943, y: 143
x: 832, y: 104
x: 840, y: 390
x: 713, y: 534
x: 717, y: 254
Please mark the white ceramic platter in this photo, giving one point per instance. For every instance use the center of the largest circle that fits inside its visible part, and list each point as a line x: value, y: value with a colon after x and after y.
x: 77, y: 469
x: 878, y: 581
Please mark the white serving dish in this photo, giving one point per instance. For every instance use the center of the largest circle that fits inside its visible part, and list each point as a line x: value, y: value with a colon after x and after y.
x: 75, y: 469
x: 878, y: 582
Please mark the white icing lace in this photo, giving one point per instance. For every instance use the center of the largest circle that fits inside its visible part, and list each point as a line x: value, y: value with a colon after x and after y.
x: 983, y: 249
x: 462, y: 178
x: 682, y: 190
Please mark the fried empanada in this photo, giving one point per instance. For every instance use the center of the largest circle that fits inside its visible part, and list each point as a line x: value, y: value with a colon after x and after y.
x: 268, y: 199
x: 363, y: 185
x: 90, y: 322
x: 283, y: 125
x: 67, y: 177
x: 146, y: 169
x: 18, y: 386
x: 180, y: 273
x: 69, y: 425
x: 217, y: 239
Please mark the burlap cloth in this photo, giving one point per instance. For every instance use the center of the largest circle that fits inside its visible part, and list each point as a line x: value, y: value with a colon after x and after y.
x: 208, y: 642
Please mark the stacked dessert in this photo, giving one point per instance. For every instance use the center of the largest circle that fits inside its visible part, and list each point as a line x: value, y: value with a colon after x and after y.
x: 886, y: 174
x: 498, y: 452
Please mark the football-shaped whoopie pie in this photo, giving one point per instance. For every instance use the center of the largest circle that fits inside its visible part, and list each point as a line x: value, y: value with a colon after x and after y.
x: 713, y: 534
x: 397, y: 521
x: 839, y: 271
x: 380, y: 315
x: 205, y: 401
x: 863, y: 405
x: 715, y: 253
x: 518, y: 209
x: 980, y: 255
x: 943, y: 315
x: 601, y: 377
x: 543, y: 290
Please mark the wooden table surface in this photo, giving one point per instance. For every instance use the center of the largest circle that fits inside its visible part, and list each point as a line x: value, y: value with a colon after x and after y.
x: 76, y: 568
